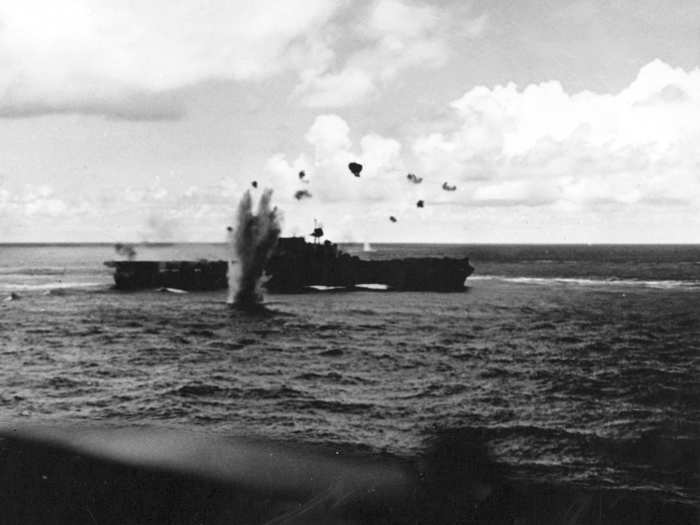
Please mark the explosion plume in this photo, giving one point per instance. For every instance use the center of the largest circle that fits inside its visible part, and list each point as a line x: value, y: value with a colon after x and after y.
x: 252, y: 243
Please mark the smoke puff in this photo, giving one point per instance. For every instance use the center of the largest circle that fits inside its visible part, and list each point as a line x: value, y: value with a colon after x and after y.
x: 127, y: 250
x: 302, y: 194
x: 355, y: 168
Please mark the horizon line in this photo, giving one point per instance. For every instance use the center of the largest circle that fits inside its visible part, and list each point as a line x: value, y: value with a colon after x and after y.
x: 173, y: 243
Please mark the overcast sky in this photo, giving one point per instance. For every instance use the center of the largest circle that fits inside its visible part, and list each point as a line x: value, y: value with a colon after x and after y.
x: 557, y: 121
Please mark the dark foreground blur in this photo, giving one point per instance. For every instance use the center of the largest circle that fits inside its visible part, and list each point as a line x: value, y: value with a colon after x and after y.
x: 61, y: 475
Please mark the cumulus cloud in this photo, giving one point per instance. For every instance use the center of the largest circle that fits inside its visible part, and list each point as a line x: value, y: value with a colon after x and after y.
x: 151, y: 212
x: 541, y: 145
x: 332, y: 151
x: 121, y: 60
x: 32, y: 213
x: 35, y: 201
x: 329, y: 134
x: 536, y: 148
x: 623, y: 164
x: 337, y: 194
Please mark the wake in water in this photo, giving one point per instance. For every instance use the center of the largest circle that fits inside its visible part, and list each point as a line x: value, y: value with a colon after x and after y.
x: 251, y: 244
x: 664, y: 284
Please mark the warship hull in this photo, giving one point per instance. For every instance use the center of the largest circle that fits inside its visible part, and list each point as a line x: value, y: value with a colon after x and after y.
x: 183, y: 275
x: 295, y: 266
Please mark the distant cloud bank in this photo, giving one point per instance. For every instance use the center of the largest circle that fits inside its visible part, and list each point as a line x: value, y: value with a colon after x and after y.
x: 121, y: 60
x: 128, y: 61
x: 584, y: 154
x: 541, y: 145
x: 538, y: 145
x: 543, y: 152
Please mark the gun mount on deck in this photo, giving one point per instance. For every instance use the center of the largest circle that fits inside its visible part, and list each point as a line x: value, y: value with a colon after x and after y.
x: 295, y: 266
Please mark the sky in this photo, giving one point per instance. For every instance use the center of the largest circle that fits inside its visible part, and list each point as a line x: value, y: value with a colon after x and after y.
x: 557, y: 121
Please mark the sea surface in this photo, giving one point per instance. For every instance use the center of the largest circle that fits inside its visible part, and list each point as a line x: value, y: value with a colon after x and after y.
x: 577, y: 365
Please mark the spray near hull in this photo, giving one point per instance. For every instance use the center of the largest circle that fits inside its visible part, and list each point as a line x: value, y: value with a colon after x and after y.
x: 251, y: 243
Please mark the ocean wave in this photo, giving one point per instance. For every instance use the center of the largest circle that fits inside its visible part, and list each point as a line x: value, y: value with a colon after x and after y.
x: 211, y: 390
x: 334, y: 378
x: 34, y: 271
x: 546, y: 281
x: 40, y: 287
x: 23, y: 270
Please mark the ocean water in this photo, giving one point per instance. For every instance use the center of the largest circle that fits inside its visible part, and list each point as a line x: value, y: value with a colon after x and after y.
x: 577, y: 365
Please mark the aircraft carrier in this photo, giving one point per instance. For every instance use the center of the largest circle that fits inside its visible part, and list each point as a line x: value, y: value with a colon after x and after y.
x: 297, y: 266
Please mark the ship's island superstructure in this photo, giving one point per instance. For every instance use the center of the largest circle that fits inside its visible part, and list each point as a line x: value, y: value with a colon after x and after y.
x: 296, y: 266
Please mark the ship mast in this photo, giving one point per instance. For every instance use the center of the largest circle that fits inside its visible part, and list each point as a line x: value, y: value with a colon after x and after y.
x: 318, y: 232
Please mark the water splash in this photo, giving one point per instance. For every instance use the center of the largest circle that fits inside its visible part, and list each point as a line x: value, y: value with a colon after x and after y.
x: 251, y: 244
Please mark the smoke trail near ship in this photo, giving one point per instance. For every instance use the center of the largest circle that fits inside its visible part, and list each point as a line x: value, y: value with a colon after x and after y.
x: 251, y: 244
x: 126, y: 250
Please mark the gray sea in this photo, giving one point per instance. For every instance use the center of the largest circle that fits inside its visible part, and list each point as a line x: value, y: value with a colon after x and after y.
x: 576, y: 365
